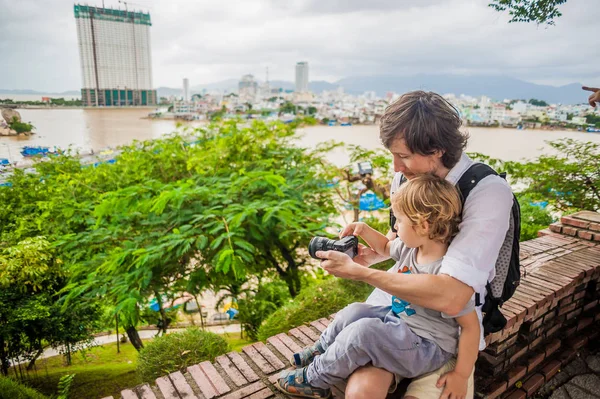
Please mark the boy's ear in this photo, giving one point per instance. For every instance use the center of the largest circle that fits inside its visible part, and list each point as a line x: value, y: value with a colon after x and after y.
x: 422, y: 228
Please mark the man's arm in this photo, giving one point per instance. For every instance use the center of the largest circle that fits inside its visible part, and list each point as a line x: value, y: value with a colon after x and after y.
x: 437, y: 292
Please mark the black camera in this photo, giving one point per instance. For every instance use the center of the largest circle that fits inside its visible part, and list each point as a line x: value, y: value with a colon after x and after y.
x: 347, y: 245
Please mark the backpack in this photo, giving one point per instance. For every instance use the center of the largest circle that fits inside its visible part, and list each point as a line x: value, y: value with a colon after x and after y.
x: 508, y: 268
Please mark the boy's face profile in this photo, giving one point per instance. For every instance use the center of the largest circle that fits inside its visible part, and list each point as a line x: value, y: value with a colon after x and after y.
x: 407, y: 232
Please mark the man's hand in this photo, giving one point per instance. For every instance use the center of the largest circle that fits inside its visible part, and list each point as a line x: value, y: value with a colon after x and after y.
x: 339, y: 264
x: 595, y: 97
x: 456, y: 385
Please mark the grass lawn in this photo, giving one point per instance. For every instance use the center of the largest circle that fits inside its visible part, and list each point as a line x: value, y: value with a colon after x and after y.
x: 103, y: 372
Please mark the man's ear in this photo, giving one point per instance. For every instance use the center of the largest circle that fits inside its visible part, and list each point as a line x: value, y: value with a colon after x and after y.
x: 439, y: 153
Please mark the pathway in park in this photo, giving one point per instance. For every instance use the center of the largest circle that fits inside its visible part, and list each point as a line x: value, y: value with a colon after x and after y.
x: 148, y: 334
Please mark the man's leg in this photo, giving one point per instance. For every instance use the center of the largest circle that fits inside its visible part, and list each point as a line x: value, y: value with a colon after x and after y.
x: 425, y: 386
x: 369, y: 382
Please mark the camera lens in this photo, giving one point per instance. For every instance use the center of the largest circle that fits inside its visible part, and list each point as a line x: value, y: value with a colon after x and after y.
x: 319, y: 244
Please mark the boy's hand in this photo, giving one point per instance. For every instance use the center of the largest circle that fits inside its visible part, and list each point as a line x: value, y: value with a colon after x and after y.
x: 339, y: 264
x: 353, y: 229
x: 456, y: 385
x: 367, y: 256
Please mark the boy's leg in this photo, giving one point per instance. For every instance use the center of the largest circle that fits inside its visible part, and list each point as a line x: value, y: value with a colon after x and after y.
x: 348, y: 315
x: 390, y: 345
x: 345, y: 317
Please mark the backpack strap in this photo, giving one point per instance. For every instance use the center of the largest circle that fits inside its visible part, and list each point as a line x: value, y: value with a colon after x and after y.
x: 472, y: 176
x: 466, y: 184
x: 402, y: 180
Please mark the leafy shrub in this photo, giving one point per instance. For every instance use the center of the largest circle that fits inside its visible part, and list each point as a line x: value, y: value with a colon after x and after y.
x: 316, y: 301
x: 255, y: 309
x: 533, y: 218
x: 64, y: 386
x: 20, y: 127
x: 10, y: 388
x: 177, y: 351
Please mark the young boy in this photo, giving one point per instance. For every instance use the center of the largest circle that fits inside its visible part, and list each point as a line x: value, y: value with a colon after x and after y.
x: 405, y: 339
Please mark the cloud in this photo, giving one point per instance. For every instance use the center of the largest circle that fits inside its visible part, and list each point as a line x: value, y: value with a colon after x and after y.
x: 207, y: 41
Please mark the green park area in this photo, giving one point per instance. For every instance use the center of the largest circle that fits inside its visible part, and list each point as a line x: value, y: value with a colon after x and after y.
x: 99, y: 371
x: 229, y: 208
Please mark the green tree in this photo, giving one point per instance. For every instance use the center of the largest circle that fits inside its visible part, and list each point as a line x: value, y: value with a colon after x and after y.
x: 539, y: 103
x: 30, y: 315
x: 538, y: 11
x: 593, y: 119
x: 20, y: 127
x: 254, y: 309
x: 349, y: 184
x: 238, y: 202
x: 569, y: 179
x: 533, y: 218
x: 287, y: 108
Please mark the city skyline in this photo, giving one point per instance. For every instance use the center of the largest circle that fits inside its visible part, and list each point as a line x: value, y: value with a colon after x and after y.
x: 338, y: 39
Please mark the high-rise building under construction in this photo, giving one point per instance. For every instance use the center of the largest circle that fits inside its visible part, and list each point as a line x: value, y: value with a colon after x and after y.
x: 116, y: 62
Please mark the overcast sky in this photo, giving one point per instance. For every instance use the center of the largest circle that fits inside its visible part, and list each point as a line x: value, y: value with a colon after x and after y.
x: 208, y: 41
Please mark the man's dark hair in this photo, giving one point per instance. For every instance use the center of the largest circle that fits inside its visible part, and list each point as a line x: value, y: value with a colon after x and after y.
x: 426, y: 122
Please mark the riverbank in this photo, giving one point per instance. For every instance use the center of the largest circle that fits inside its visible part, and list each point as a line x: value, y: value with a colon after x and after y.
x: 96, y: 129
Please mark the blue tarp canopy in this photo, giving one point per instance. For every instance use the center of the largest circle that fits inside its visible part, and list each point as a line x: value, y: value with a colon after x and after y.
x: 370, y: 202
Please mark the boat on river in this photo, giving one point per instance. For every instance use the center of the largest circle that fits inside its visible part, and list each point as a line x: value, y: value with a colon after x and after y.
x: 29, y: 151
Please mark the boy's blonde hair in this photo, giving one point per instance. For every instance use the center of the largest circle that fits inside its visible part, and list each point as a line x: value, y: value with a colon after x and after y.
x: 428, y: 198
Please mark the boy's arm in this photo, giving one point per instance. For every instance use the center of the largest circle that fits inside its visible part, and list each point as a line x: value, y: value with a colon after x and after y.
x: 468, y: 343
x: 377, y: 241
x: 456, y: 381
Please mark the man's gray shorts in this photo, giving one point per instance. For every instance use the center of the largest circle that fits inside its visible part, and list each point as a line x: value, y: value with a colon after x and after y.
x: 361, y: 334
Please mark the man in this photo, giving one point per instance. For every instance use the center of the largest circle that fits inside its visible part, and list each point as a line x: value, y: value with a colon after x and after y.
x: 421, y: 130
x: 594, y: 97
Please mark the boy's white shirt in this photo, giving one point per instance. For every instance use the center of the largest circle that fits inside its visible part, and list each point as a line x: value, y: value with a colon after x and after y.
x: 472, y: 255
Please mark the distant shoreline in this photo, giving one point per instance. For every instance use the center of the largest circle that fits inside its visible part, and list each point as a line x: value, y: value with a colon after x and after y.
x: 57, y: 107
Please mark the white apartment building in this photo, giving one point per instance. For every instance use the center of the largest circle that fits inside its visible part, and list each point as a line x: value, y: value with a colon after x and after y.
x: 186, y: 89
x: 115, y: 56
x: 302, y: 77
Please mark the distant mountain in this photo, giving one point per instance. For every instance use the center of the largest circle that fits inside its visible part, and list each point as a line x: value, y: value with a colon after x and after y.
x: 228, y: 84
x: 316, y: 86
x: 34, y: 92
x: 495, y: 87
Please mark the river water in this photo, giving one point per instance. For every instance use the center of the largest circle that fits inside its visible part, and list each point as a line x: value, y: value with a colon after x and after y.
x: 97, y: 129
